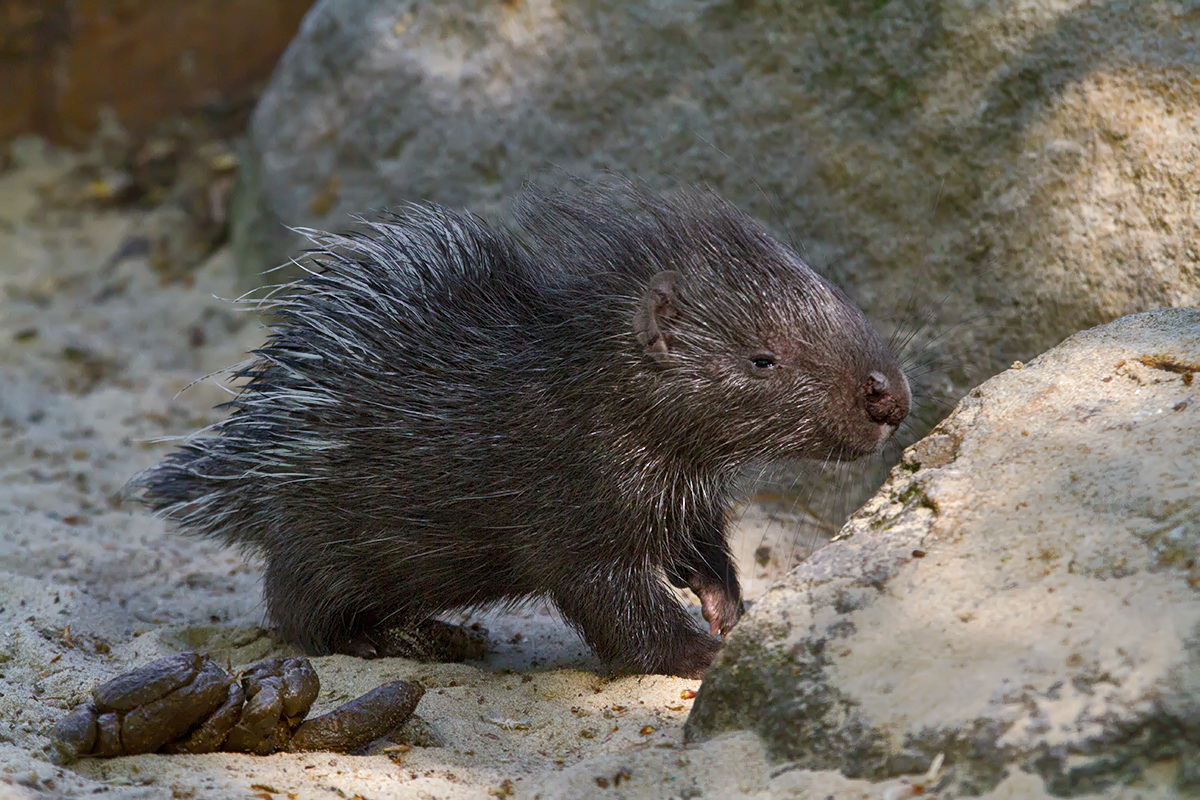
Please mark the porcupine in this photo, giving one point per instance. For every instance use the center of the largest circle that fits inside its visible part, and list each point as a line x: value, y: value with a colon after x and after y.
x: 450, y: 414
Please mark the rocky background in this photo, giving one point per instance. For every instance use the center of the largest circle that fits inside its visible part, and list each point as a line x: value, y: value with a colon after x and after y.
x: 1018, y: 601
x: 1022, y: 169
x: 984, y: 178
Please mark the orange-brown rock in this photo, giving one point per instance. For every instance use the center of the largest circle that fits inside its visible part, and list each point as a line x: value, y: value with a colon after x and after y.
x: 63, y: 63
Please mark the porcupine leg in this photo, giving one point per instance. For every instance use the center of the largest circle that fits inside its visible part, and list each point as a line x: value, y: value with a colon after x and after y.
x: 707, y: 568
x: 631, y: 620
x: 308, y: 612
x: 305, y: 608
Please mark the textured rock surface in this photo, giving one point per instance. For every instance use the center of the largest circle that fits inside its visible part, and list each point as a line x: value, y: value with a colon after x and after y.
x: 1033, y: 159
x: 1023, y: 594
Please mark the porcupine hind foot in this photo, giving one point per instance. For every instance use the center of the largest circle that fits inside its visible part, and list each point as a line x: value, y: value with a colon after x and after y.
x: 427, y: 640
x: 359, y: 635
x: 312, y: 615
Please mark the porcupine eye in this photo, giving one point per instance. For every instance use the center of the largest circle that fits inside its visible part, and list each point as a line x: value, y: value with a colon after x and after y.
x: 762, y: 364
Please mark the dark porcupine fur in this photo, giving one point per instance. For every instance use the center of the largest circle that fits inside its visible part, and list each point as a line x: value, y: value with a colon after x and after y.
x: 449, y: 414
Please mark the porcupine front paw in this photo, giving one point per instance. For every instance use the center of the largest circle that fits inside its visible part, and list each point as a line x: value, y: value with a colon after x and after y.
x: 720, y: 601
x: 721, y: 608
x: 709, y: 572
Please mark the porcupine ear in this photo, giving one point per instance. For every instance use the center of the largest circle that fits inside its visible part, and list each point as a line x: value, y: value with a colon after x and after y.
x: 656, y: 315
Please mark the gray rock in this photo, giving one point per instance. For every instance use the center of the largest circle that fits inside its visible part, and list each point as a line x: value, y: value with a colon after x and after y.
x: 1034, y: 161
x: 1022, y: 595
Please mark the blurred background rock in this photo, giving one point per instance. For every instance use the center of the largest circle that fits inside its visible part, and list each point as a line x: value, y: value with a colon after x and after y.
x: 66, y: 65
x: 154, y: 94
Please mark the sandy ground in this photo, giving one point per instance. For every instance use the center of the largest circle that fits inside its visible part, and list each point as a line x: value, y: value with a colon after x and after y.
x: 95, y: 346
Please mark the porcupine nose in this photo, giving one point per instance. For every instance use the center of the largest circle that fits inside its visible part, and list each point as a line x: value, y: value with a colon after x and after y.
x: 885, y: 405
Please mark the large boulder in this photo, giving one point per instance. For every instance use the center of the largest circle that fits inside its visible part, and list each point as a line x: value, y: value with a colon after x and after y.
x: 1006, y: 173
x: 1022, y: 596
